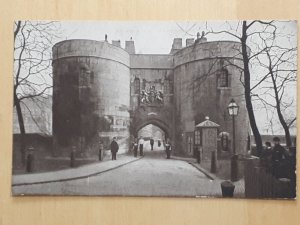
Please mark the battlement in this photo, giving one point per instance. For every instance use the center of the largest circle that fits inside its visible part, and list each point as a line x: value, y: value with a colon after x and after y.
x: 116, y: 43
x: 177, y: 42
x: 189, y: 42
x: 129, y: 47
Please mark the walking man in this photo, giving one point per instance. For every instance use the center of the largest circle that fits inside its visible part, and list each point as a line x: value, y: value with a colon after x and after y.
x: 135, y: 147
x: 151, y: 143
x: 159, y: 143
x: 114, y: 147
x: 141, y: 145
x: 168, y: 148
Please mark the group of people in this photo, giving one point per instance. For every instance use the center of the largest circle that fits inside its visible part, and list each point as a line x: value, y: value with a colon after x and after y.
x: 138, y: 144
x: 275, y: 159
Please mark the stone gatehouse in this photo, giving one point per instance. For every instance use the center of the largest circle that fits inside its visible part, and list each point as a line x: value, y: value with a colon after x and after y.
x: 101, y: 90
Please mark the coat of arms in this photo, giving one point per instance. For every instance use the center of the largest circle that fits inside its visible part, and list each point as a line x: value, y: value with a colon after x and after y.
x: 151, y: 96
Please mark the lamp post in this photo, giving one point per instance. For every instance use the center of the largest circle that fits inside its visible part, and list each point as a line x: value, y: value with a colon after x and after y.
x: 233, y: 110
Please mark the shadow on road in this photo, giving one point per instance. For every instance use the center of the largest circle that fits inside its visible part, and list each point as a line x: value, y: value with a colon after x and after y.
x: 155, y: 154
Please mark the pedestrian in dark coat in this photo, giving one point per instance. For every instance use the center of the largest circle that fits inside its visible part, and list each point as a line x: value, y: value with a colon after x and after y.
x: 159, y: 143
x: 141, y: 145
x: 279, y: 157
x: 168, y: 148
x: 114, y: 147
x: 151, y: 143
x: 266, y: 157
x: 135, y: 147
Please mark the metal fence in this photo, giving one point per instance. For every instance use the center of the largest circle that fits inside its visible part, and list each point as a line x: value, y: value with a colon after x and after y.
x: 260, y: 183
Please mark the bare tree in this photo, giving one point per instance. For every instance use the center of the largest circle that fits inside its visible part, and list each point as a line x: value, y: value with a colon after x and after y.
x: 242, y: 32
x: 280, y: 64
x: 32, y: 65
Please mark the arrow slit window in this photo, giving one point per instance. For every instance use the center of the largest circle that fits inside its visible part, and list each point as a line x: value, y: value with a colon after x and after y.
x: 223, y: 78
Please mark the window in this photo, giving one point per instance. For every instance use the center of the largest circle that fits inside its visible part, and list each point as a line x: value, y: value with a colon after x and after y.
x: 224, y: 138
x: 197, y: 137
x: 223, y: 80
x: 190, y: 144
x: 137, y: 86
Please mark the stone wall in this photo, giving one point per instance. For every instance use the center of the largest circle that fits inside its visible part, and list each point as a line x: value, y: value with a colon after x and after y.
x: 145, y: 61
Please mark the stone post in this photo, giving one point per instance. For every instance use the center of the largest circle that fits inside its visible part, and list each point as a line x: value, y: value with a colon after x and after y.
x: 30, y: 160
x: 213, y: 165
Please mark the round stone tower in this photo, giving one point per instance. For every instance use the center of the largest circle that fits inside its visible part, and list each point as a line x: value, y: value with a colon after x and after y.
x: 91, y: 96
x: 206, y: 78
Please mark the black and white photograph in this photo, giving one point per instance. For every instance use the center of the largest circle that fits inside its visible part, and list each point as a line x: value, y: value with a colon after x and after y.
x: 155, y: 108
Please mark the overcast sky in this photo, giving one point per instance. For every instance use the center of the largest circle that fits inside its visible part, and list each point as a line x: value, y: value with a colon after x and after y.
x: 151, y: 37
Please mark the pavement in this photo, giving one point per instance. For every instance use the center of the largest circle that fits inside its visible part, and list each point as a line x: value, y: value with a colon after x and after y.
x: 72, y: 173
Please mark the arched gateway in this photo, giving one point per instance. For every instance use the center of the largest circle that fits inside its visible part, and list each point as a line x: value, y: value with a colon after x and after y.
x: 159, y: 123
x: 101, y: 90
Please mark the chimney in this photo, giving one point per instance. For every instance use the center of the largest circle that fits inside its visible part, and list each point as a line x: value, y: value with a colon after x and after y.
x: 116, y: 43
x: 177, y: 44
x: 189, y: 42
x: 129, y: 46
